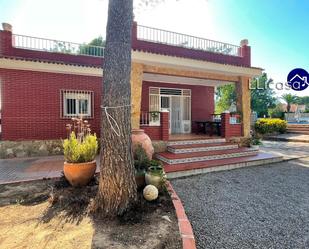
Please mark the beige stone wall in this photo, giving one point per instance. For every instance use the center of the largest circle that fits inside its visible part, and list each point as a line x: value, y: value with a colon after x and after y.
x: 244, y: 103
x: 189, y: 73
x: 136, y: 93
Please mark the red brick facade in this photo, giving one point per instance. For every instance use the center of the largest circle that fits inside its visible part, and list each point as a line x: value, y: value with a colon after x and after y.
x: 31, y: 107
x: 31, y: 103
x: 158, y: 132
x: 227, y: 129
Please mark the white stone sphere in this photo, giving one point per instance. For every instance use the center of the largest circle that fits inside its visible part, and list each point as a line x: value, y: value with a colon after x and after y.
x: 150, y: 192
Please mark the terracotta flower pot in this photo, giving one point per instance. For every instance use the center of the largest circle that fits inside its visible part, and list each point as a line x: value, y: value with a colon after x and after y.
x: 140, y: 137
x: 79, y: 174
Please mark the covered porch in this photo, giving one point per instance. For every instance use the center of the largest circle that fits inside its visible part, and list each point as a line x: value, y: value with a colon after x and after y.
x: 173, y: 104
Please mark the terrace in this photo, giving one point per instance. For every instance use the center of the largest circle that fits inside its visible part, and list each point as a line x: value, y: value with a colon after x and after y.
x: 144, y: 38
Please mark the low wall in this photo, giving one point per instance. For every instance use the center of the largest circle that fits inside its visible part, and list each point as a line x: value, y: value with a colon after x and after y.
x: 13, y: 149
x: 19, y: 149
x: 294, y: 117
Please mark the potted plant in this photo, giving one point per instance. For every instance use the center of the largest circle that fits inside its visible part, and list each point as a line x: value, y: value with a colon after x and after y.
x: 141, y: 163
x: 80, y: 150
x: 255, y: 143
x: 155, y: 174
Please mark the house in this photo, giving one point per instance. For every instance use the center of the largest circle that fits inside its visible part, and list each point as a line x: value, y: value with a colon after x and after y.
x: 44, y: 83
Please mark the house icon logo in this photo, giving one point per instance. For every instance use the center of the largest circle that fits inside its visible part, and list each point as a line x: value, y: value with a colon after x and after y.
x: 298, y: 79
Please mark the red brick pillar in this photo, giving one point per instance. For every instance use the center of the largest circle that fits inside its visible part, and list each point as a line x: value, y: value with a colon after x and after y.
x: 165, y: 126
x: 245, y: 52
x: 6, y: 39
x: 225, y: 125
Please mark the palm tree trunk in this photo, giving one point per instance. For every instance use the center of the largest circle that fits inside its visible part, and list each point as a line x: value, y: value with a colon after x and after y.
x: 117, y: 187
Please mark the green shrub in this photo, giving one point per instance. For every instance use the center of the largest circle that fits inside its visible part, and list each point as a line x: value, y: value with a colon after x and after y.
x: 270, y: 125
x: 80, y: 151
x: 141, y: 161
x: 276, y: 112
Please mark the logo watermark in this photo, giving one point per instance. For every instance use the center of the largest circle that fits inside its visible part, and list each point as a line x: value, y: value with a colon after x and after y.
x: 297, y: 80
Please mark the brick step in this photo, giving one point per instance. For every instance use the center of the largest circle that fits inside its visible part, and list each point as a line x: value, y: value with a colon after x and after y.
x: 298, y: 131
x: 298, y: 128
x: 171, y: 158
x: 297, y: 125
x: 197, y: 141
x: 193, y: 168
x: 187, y: 148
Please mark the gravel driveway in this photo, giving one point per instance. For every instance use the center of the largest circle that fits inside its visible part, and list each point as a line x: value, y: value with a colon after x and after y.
x: 256, y: 207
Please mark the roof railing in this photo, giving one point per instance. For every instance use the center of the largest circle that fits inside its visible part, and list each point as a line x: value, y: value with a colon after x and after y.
x: 144, y: 33
x: 161, y: 36
x: 56, y: 46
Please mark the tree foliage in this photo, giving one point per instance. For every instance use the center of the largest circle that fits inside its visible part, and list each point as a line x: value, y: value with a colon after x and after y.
x: 289, y: 99
x: 262, y: 97
x: 225, y: 96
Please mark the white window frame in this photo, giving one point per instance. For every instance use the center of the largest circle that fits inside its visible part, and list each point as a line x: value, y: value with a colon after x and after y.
x: 78, y: 95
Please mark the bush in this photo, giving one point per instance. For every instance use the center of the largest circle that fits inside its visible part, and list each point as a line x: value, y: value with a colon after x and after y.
x: 270, y: 125
x: 141, y: 161
x: 80, y: 151
x: 276, y: 112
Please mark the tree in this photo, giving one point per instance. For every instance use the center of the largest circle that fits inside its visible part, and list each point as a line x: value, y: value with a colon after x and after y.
x: 289, y: 99
x: 95, y: 47
x: 117, y: 187
x: 225, y: 96
x: 262, y: 97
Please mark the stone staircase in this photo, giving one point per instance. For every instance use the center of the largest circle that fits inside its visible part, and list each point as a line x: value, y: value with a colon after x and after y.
x: 298, y: 128
x: 190, y: 157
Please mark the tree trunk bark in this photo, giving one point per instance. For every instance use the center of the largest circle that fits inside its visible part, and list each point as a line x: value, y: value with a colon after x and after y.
x: 117, y: 187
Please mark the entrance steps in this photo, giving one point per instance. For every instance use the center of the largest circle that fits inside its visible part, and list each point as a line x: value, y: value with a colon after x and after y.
x: 198, y: 156
x: 298, y: 128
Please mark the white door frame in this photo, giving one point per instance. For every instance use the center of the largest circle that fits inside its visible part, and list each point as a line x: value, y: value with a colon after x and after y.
x: 182, y: 96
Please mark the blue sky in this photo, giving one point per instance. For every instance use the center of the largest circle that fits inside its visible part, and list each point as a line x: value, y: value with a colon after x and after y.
x: 277, y: 30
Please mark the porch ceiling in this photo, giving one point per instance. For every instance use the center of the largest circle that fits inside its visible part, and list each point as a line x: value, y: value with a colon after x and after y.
x: 183, y: 80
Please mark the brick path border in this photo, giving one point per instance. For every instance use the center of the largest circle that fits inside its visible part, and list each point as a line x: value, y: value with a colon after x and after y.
x: 185, y: 228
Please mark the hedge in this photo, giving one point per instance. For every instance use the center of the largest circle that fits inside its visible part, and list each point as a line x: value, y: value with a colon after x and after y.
x: 270, y: 125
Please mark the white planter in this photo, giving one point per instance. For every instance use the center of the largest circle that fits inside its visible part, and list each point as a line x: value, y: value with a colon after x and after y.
x: 255, y: 147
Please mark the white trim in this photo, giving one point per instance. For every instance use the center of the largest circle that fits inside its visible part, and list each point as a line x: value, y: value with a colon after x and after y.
x: 191, y: 64
x: 182, y: 96
x: 170, y: 79
x: 49, y: 67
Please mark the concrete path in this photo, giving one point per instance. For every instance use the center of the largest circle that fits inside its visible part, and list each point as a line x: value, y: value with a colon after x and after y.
x: 255, y: 207
x: 288, y: 150
x: 290, y: 137
x: 27, y: 169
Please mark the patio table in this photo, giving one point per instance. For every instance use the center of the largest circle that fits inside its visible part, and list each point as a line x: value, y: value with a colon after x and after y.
x: 208, y: 127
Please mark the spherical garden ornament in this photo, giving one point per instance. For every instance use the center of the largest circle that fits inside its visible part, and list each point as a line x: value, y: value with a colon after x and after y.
x: 150, y: 192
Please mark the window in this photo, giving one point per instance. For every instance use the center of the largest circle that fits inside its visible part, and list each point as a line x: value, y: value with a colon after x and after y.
x: 76, y: 103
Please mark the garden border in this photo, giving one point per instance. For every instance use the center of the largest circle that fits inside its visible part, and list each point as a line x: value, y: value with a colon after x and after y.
x: 185, y: 228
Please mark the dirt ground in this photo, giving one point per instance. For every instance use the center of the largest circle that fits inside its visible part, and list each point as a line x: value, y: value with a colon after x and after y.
x: 31, y: 218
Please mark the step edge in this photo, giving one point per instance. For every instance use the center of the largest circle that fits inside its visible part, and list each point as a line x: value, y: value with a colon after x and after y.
x: 198, y: 171
x: 207, y: 158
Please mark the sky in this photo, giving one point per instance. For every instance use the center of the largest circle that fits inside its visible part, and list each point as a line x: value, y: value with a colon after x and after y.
x: 277, y: 30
